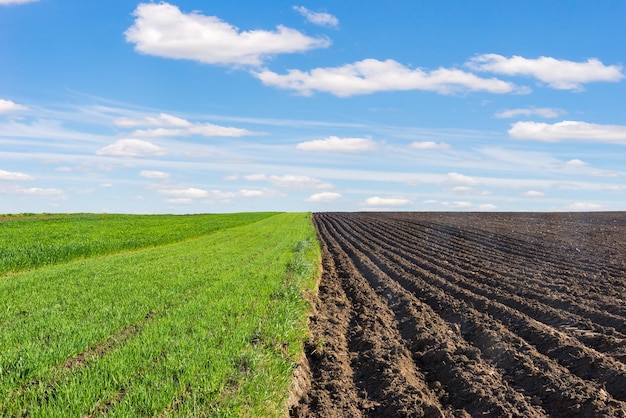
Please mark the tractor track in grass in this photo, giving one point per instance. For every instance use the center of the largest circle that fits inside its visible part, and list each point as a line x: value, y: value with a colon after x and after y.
x: 435, y: 314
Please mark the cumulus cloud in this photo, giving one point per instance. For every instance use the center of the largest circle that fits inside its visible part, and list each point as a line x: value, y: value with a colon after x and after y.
x: 7, y: 106
x: 544, y: 112
x: 165, y: 125
x: 161, y: 29
x: 12, y: 175
x: 317, y: 18
x: 131, y: 148
x: 558, y: 74
x: 429, y: 145
x: 371, y: 76
x: 160, y: 175
x: 336, y: 144
x: 387, y: 201
x: 567, y: 130
x: 323, y: 197
x: 7, y: 2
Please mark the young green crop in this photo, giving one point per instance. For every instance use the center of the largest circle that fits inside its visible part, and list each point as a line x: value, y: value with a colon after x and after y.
x: 207, y: 327
x: 28, y: 242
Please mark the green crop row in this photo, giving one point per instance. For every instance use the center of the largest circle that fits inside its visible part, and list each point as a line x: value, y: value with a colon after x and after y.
x: 206, y: 327
x: 28, y: 242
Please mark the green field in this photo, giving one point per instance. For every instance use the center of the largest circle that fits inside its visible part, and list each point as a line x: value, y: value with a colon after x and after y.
x: 205, y: 316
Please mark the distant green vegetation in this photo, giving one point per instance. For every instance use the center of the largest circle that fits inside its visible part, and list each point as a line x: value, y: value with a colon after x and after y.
x: 210, y: 326
x: 29, y: 240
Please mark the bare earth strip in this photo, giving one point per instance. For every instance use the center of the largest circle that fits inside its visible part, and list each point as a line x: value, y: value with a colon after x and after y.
x: 456, y: 314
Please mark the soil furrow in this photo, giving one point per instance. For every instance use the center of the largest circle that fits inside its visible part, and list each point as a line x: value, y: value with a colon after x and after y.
x: 582, y: 361
x: 469, y: 314
x: 472, y: 278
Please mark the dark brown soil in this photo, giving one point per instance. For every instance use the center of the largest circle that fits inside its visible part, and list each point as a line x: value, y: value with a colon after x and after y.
x: 468, y: 314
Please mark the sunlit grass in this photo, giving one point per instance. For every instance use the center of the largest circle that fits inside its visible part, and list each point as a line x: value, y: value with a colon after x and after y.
x: 206, y: 327
x: 29, y: 241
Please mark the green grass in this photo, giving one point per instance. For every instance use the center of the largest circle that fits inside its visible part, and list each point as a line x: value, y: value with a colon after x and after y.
x: 211, y: 326
x: 29, y: 241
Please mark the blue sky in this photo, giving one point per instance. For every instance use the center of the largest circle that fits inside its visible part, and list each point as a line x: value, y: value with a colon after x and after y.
x: 202, y: 106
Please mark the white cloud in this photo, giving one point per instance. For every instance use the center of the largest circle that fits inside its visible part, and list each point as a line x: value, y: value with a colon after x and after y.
x: 189, y: 193
x: 371, y: 75
x: 544, y: 112
x: 180, y: 201
x: 387, y: 201
x: 457, y: 179
x: 165, y: 125
x: 576, y: 163
x: 583, y: 206
x: 558, y: 74
x: 425, y: 145
x: 255, y: 177
x: 336, y: 144
x: 460, y: 205
x: 567, y: 130
x: 462, y: 189
x: 11, y: 175
x: 163, y: 119
x: 204, y: 129
x: 36, y: 191
x: 154, y: 174
x: 289, y: 181
x: 131, y: 148
x: 163, y: 30
x: 323, y: 197
x: 7, y: 106
x: 534, y: 193
x: 298, y: 182
x: 7, y: 2
x: 318, y: 18
x: 251, y: 193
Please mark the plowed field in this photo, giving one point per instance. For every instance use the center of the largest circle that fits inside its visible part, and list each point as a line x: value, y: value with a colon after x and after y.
x: 467, y: 314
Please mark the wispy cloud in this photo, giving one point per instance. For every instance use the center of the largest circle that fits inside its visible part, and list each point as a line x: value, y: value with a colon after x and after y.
x: 336, y: 144
x: 558, y: 74
x: 158, y: 175
x: 163, y: 30
x: 131, y: 148
x: 317, y: 18
x: 165, y: 125
x: 371, y: 76
x: 7, y: 2
x: 429, y: 145
x: 567, y: 130
x: 534, y: 193
x: 584, y: 206
x: 456, y: 179
x: 11, y: 175
x: 377, y: 201
x: 544, y: 112
x: 288, y: 181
